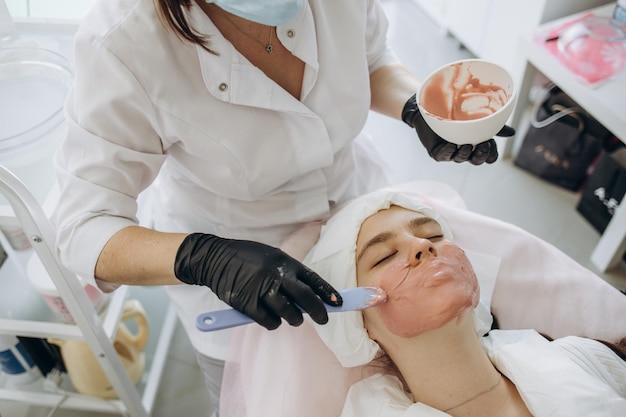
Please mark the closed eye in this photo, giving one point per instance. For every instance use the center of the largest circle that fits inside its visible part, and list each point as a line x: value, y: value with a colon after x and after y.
x: 380, y: 261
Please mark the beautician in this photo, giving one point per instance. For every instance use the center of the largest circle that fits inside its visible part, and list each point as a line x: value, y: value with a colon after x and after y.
x: 240, y: 120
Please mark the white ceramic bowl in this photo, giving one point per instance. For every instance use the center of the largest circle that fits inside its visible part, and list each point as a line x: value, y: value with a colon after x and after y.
x: 467, y: 101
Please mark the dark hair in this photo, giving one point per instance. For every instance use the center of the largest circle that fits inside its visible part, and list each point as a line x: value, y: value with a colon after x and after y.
x: 619, y: 348
x: 172, y: 13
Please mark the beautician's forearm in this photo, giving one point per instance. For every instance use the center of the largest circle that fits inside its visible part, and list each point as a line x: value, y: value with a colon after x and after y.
x: 139, y: 256
x: 391, y: 86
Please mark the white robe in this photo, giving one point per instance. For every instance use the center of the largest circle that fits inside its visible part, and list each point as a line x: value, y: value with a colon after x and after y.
x: 570, y: 377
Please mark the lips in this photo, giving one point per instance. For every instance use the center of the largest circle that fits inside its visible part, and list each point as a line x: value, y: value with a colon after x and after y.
x: 444, y: 272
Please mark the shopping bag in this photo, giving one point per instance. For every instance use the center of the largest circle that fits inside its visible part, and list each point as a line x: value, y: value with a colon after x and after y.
x: 562, y: 141
x: 604, y: 190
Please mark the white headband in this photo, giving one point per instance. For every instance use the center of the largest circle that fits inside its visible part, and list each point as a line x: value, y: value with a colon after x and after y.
x: 333, y: 257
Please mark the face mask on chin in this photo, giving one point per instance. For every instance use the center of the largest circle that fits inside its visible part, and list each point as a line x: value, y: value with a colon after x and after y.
x: 266, y: 12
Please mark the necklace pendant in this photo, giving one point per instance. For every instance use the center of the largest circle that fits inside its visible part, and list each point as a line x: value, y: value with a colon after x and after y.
x: 269, y: 48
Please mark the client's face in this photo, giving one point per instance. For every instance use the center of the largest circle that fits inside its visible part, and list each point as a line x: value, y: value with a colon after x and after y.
x: 428, y: 279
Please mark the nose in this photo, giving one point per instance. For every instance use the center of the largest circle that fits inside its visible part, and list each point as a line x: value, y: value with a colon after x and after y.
x: 421, y: 249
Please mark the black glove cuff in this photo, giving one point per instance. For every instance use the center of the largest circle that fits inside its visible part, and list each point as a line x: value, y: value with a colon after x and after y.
x: 186, y: 264
x: 409, y: 110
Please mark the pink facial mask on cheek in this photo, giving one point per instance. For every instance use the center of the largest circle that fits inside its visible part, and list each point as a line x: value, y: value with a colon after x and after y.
x: 425, y: 297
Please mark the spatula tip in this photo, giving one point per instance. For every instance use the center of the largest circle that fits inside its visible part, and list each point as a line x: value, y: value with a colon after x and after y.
x: 377, y: 296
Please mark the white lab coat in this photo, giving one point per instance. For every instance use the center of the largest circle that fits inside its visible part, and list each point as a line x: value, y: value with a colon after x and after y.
x: 570, y: 377
x: 234, y: 154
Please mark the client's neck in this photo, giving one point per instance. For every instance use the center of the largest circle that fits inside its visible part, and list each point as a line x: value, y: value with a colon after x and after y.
x: 446, y: 367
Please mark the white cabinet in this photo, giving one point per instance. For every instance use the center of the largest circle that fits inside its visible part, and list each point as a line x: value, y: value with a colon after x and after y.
x: 466, y: 20
x: 492, y: 29
x: 436, y: 9
x: 508, y: 22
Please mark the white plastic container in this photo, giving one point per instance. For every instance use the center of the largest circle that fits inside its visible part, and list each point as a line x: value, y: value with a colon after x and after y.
x: 34, y: 83
x: 41, y: 281
x: 16, y: 363
x: 18, y: 299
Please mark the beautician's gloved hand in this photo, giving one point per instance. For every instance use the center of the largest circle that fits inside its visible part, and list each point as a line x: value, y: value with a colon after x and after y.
x: 441, y: 150
x: 261, y: 281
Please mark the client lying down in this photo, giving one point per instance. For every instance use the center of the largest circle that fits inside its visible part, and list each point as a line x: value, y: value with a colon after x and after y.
x: 430, y: 349
x: 429, y: 356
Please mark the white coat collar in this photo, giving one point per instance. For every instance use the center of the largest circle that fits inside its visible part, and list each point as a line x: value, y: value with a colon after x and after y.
x: 549, y: 381
x: 230, y: 77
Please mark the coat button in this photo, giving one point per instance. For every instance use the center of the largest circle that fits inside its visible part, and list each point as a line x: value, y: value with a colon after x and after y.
x: 223, y: 87
x: 291, y: 33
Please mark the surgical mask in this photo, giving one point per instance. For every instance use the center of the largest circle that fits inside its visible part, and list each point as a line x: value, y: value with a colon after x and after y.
x: 266, y: 12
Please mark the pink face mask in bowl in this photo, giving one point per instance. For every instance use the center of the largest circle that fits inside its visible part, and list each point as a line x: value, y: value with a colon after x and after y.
x: 468, y: 101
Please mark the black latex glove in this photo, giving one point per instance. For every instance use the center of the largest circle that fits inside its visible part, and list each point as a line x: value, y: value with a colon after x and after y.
x: 261, y: 281
x: 441, y: 150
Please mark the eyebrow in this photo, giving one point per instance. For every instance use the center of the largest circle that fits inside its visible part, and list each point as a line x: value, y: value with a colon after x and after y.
x: 418, y: 222
x: 413, y: 224
x: 379, y: 238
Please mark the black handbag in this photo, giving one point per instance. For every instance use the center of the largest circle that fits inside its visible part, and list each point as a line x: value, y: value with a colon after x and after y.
x: 603, y: 191
x: 562, y: 141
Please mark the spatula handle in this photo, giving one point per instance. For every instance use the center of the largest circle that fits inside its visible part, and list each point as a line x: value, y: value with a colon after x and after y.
x: 356, y: 298
x: 221, y: 319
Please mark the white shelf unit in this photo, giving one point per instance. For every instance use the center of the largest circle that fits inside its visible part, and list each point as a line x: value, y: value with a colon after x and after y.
x: 135, y: 400
x: 605, y: 103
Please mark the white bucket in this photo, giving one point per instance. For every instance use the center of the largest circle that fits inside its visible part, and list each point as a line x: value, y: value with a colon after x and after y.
x: 41, y: 281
